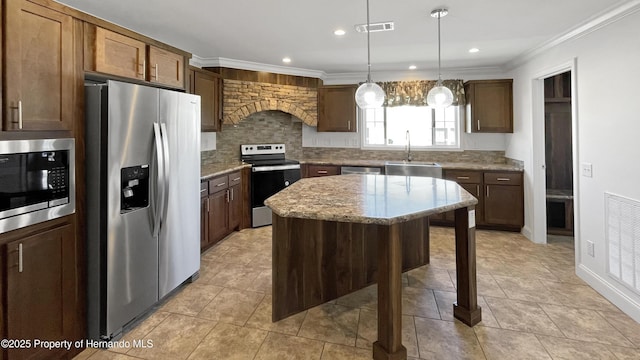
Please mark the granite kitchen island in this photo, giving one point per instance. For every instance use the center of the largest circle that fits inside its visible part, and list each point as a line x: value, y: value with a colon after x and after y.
x: 337, y: 234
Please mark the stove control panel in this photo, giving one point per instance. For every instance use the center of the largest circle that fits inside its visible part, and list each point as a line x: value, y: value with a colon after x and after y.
x: 261, y: 149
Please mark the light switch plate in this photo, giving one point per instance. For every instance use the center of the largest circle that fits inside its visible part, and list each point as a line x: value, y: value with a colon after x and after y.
x: 591, y: 248
x: 587, y: 170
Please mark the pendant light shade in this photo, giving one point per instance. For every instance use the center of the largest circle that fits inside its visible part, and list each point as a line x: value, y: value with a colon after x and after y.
x: 369, y: 95
x: 440, y: 96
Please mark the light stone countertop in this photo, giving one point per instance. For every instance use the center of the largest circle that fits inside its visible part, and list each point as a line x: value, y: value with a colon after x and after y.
x: 369, y: 199
x: 445, y: 165
x: 213, y: 170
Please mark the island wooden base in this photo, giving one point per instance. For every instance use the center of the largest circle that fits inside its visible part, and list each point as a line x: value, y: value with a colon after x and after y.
x: 317, y: 261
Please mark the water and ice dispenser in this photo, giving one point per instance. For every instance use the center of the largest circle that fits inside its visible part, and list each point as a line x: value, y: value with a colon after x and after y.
x: 134, y: 188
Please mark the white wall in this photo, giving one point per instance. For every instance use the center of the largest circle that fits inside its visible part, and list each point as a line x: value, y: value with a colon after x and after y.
x: 608, y: 117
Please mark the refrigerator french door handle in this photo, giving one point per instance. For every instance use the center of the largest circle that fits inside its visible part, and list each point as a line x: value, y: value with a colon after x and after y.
x: 167, y: 168
x: 160, y: 181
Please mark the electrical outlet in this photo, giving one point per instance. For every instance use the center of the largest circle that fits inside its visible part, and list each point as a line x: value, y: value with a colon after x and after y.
x: 590, y: 249
x: 587, y: 170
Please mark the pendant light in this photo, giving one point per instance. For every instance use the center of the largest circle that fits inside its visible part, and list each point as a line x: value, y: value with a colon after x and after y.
x: 440, y: 96
x: 369, y: 95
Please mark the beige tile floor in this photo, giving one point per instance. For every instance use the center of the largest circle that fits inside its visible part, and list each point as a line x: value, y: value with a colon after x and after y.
x: 533, y: 307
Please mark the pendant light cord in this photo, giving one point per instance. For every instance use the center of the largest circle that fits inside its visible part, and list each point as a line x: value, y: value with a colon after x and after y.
x: 439, y: 52
x: 368, y: 46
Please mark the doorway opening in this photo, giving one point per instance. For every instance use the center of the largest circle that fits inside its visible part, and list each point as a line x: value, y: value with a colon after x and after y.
x: 558, y: 138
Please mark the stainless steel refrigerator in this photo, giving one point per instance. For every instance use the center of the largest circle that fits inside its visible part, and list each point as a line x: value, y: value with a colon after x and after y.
x: 143, y: 201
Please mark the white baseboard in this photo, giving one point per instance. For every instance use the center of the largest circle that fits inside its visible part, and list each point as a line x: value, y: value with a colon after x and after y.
x: 526, y: 231
x: 608, y: 289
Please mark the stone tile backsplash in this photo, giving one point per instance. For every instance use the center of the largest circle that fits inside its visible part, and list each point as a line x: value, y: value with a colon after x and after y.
x: 280, y: 127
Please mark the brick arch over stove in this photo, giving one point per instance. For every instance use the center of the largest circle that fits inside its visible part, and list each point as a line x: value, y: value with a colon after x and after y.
x: 245, y: 110
x: 243, y: 98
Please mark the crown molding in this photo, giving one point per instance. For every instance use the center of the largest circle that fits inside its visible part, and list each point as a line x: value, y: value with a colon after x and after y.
x: 254, y: 66
x: 605, y: 18
x: 409, y: 75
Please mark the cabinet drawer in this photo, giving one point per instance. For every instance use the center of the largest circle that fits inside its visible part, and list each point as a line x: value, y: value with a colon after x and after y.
x: 219, y: 183
x: 204, y: 189
x: 503, y: 178
x: 464, y: 176
x: 322, y: 170
x: 235, y: 178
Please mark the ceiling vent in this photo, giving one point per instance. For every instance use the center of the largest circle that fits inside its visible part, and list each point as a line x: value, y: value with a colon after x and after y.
x: 375, y: 27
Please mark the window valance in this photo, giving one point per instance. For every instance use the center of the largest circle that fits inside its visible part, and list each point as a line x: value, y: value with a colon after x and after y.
x: 414, y: 93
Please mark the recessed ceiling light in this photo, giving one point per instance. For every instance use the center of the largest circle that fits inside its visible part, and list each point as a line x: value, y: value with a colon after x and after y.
x: 286, y: 60
x: 339, y: 32
x: 474, y: 50
x: 412, y: 67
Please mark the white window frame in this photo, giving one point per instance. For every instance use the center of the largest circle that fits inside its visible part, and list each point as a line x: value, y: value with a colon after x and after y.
x: 459, y: 129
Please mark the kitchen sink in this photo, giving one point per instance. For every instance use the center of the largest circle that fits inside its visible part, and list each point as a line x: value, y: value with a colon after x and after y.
x: 413, y: 168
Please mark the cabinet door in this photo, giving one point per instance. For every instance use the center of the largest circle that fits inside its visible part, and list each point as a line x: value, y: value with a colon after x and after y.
x: 337, y: 108
x: 503, y: 205
x: 235, y: 206
x: 490, y: 106
x: 39, y: 74
x: 218, y: 216
x: 166, y: 67
x: 119, y: 55
x: 38, y: 288
x: 204, y: 221
x: 209, y: 87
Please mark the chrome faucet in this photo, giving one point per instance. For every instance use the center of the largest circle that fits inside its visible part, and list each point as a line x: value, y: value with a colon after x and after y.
x: 408, y: 138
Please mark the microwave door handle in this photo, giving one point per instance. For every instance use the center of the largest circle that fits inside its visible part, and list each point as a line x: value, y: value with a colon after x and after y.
x: 160, y: 180
x: 167, y: 168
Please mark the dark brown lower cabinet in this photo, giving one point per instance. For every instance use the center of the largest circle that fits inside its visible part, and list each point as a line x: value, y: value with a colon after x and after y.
x: 41, y: 290
x: 218, y: 216
x: 500, y: 197
x: 503, y: 205
x: 235, y: 206
x: 221, y: 209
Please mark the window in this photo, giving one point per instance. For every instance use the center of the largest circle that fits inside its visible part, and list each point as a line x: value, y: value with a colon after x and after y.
x: 429, y: 128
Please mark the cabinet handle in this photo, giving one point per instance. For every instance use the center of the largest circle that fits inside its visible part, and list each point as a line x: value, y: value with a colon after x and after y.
x: 203, y: 191
x: 221, y: 184
x: 231, y: 194
x: 236, y: 179
x: 503, y: 179
x: 20, y: 258
x: 478, y: 125
x: 156, y: 72
x: 487, y: 190
x: 323, y: 172
x: 478, y: 190
x: 144, y: 69
x: 208, y: 210
x: 20, y: 114
x: 227, y: 195
x: 349, y: 124
x: 463, y: 177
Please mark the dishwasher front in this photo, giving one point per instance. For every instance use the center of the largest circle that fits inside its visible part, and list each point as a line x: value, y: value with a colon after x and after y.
x: 344, y: 170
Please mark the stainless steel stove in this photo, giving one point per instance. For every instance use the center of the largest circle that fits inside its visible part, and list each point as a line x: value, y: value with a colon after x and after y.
x: 270, y: 173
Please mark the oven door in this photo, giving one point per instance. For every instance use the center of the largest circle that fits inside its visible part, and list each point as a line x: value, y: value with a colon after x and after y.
x: 266, y: 181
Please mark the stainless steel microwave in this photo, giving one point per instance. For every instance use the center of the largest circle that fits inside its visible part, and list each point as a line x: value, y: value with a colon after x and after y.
x: 37, y: 181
